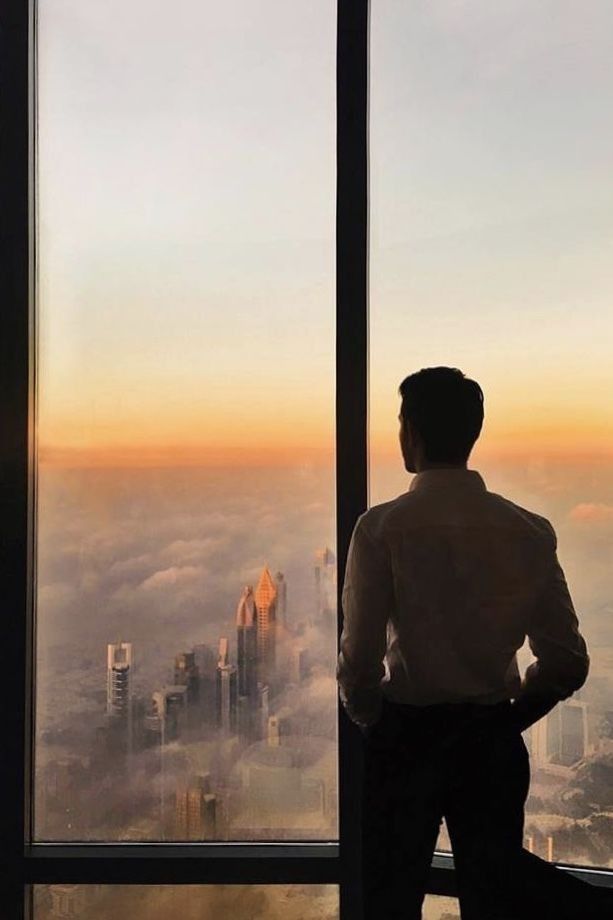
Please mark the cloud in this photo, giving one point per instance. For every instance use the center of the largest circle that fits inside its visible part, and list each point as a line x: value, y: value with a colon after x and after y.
x: 190, y: 550
x: 592, y: 512
x: 172, y: 576
x: 136, y: 565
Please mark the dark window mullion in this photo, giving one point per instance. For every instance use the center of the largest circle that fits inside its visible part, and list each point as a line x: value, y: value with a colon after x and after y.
x: 351, y: 377
x: 15, y: 416
x: 181, y: 864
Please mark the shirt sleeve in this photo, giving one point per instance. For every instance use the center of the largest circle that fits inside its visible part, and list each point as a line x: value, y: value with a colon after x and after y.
x: 367, y: 598
x: 562, y: 661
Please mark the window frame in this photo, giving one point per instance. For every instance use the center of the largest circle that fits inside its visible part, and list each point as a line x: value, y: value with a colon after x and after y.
x: 22, y: 862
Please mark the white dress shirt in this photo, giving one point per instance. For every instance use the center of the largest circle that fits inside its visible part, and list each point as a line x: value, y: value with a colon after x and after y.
x: 442, y: 586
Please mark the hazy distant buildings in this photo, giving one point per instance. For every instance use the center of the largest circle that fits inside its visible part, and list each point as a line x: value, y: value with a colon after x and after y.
x: 206, y: 662
x: 282, y: 786
x: 196, y: 810
x: 59, y: 791
x: 68, y: 902
x: 263, y: 710
x: 169, y: 707
x: 186, y: 675
x: 299, y: 664
x: 325, y: 584
x: 273, y: 731
x: 247, y: 663
x: 561, y: 737
x: 281, y: 598
x: 226, y: 690
x: 247, y: 650
x: 118, y: 679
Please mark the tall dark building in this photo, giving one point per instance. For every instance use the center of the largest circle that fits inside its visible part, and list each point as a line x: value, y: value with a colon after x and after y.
x: 281, y: 598
x: 325, y: 584
x: 119, y: 697
x: 227, y: 690
x: 247, y: 652
x: 169, y: 707
x: 206, y: 662
x: 186, y: 675
x: 118, y: 679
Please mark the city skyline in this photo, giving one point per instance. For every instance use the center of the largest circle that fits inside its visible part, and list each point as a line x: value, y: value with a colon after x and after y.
x: 190, y: 718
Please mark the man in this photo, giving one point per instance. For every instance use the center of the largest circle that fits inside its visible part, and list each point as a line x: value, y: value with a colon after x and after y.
x: 442, y: 586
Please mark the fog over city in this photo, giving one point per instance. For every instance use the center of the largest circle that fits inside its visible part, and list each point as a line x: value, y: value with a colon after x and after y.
x: 159, y: 559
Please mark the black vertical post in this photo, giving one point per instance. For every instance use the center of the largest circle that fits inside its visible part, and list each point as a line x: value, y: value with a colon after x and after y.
x: 15, y: 418
x: 351, y: 379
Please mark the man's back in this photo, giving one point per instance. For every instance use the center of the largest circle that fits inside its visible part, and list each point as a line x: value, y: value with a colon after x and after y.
x: 447, y: 581
x: 441, y: 588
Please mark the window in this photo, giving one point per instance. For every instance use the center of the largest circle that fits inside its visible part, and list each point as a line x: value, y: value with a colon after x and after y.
x: 490, y: 226
x: 186, y: 617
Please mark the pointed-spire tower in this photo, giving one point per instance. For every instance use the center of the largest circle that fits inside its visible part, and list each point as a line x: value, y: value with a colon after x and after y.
x: 247, y: 654
x: 266, y: 615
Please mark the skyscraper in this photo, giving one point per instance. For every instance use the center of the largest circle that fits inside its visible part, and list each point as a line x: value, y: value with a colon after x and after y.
x: 195, y: 810
x: 281, y: 598
x: 263, y: 711
x: 247, y: 660
x: 266, y: 614
x: 169, y: 706
x: 118, y: 679
x: 273, y: 731
x: 325, y: 583
x: 186, y: 675
x: 206, y: 663
x: 247, y: 654
x: 561, y: 737
x: 227, y: 689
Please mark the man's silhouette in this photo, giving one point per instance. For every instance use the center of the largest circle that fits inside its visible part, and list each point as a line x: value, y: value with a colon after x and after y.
x: 442, y: 586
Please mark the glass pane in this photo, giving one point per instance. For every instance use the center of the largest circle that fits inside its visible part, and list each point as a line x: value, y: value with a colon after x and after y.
x: 157, y: 902
x: 186, y: 630
x: 438, y: 908
x: 491, y: 228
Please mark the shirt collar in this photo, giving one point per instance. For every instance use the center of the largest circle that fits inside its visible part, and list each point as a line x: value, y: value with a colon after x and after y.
x: 455, y: 478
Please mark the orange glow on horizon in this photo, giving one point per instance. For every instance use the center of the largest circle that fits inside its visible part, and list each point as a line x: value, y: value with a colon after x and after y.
x: 151, y: 456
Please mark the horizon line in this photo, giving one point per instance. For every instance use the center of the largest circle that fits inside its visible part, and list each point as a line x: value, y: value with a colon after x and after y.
x: 175, y: 457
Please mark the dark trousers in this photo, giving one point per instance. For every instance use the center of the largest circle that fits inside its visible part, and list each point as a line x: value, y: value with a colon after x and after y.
x: 464, y: 762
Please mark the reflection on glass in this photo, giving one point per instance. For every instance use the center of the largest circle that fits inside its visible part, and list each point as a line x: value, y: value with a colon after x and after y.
x: 186, y: 588
x: 491, y: 222
x: 157, y: 902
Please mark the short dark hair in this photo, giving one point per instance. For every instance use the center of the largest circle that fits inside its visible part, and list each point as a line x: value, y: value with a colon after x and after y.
x: 446, y: 409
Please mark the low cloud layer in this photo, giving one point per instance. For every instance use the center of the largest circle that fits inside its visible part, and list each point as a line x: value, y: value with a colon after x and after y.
x: 159, y: 558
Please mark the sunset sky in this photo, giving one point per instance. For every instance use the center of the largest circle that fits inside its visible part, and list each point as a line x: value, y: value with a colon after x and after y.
x: 186, y: 220
x: 492, y: 212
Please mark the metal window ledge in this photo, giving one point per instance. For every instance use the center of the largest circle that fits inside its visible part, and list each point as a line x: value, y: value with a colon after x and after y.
x: 183, y: 863
x: 443, y: 881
